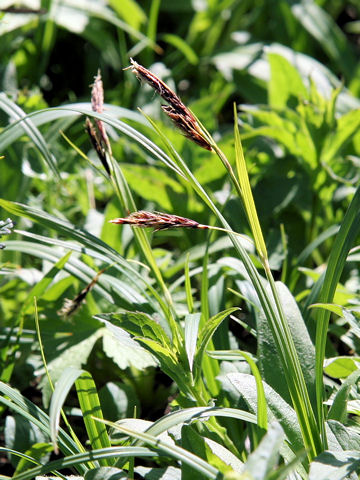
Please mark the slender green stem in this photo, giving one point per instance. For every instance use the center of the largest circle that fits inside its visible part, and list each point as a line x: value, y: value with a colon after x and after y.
x: 225, y: 230
x: 41, y: 346
x: 228, y: 167
x: 126, y: 199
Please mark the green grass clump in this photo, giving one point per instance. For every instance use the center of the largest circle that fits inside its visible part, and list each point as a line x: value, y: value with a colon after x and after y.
x: 212, y: 333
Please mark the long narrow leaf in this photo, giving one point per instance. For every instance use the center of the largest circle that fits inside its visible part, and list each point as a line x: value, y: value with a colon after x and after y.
x: 90, y: 406
x: 233, y: 355
x: 34, y: 134
x: 16, y: 402
x: 178, y: 453
x: 62, y: 388
x: 82, y: 458
x: 11, y: 132
x: 349, y: 230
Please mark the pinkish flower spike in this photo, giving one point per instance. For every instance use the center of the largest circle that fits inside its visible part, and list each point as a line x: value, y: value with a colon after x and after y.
x: 157, y: 220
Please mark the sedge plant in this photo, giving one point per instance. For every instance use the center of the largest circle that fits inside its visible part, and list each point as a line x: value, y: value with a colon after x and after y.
x: 270, y: 301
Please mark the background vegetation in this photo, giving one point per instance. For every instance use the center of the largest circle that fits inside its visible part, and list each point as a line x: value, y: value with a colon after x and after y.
x: 213, y: 369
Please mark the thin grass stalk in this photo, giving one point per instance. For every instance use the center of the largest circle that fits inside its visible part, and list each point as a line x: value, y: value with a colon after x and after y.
x: 210, y: 367
x: 64, y: 417
x: 123, y: 192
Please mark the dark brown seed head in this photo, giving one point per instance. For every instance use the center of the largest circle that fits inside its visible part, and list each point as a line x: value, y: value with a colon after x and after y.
x: 71, y: 306
x: 97, y: 142
x: 186, y: 127
x: 177, y: 111
x: 157, y: 220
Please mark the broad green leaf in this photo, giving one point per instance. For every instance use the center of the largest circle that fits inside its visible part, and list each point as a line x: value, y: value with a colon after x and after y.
x: 341, y: 437
x: 118, y: 400
x: 323, y: 28
x: 222, y: 457
x: 244, y: 385
x: 11, y: 22
x: 130, y: 11
x: 262, y: 461
x: 347, y: 126
x: 195, y: 443
x: 168, y: 360
x: 124, y: 350
x: 334, y: 465
x: 252, y: 56
x: 269, y: 362
x: 341, y: 367
x: 154, y: 185
x: 286, y: 87
x: 138, y: 324
x: 288, y: 129
x: 338, y: 410
x: 192, y: 322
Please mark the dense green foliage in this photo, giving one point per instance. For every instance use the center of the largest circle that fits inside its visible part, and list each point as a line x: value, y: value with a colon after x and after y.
x: 226, y: 351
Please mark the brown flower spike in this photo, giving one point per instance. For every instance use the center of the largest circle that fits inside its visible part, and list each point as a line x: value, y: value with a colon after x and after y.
x: 176, y: 110
x: 72, y: 306
x: 158, y: 221
x: 97, y: 132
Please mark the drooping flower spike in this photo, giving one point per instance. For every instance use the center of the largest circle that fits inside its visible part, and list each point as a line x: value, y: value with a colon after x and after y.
x: 97, y: 133
x: 176, y: 110
x: 72, y: 306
